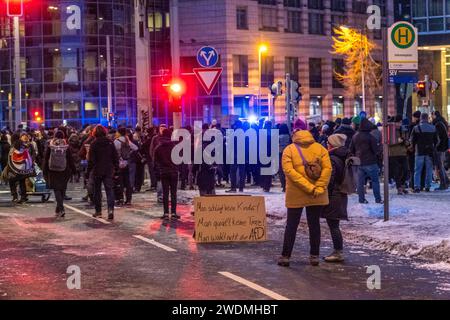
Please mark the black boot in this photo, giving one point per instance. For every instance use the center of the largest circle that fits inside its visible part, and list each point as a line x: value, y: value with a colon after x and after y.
x: 110, y: 214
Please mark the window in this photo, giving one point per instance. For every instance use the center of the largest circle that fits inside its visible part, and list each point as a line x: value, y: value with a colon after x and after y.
x: 268, y: 19
x: 315, y: 73
x: 316, y: 23
x: 435, y: 8
x: 419, y: 8
x: 291, y: 67
x: 267, y: 71
x: 315, y: 4
x: 436, y: 24
x: 360, y: 6
x: 338, y: 66
x: 337, y: 20
x: 269, y: 2
x: 338, y: 5
x: 241, y: 18
x: 293, y: 3
x: 420, y: 24
x: 294, y: 21
x: 315, y: 106
x: 240, y: 71
x: 382, y: 5
x: 338, y: 106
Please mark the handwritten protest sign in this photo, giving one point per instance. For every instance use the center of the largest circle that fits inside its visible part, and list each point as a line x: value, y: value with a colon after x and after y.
x: 230, y: 218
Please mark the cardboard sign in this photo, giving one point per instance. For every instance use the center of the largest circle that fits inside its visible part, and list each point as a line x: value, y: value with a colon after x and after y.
x: 230, y: 219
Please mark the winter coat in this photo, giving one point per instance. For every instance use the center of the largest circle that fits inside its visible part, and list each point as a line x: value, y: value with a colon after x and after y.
x: 337, y: 208
x: 348, y: 131
x: 205, y: 173
x: 74, y: 148
x: 299, y: 187
x: 424, y: 139
x: 4, y: 151
x: 442, y: 133
x: 315, y: 133
x: 58, y: 180
x: 103, y: 158
x: 364, y: 145
x: 163, y: 157
x: 285, y: 140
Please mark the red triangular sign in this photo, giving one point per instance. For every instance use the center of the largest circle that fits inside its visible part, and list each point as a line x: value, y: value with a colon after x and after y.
x: 208, y: 77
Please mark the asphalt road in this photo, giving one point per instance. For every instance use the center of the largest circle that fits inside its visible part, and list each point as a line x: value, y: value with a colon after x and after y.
x: 139, y: 256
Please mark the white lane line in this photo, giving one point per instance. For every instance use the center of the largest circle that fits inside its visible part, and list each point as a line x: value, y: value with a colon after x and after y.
x: 86, y: 214
x: 155, y: 243
x: 254, y: 286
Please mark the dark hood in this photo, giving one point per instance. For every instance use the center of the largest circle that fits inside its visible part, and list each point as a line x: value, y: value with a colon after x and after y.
x: 341, y: 152
x: 345, y: 128
x: 366, y: 125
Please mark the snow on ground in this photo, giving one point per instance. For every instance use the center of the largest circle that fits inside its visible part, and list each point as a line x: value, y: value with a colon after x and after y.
x: 419, y: 225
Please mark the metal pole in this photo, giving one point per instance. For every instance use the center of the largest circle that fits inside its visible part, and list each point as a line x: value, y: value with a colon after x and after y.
x: 17, y: 84
x: 259, y: 80
x: 288, y: 102
x: 108, y: 77
x: 385, y: 124
x: 175, y: 53
x: 175, y: 37
x: 363, y: 76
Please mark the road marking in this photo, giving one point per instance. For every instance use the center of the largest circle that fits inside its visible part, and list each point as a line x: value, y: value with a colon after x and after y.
x: 254, y: 286
x: 86, y: 214
x: 155, y: 243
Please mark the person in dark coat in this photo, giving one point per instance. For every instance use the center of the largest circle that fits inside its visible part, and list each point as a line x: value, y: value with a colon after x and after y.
x: 168, y: 173
x: 205, y: 174
x: 346, y: 128
x: 57, y: 180
x: 441, y: 148
x: 364, y: 145
x: 336, y: 210
x: 103, y: 163
x: 4, y: 151
x: 314, y: 131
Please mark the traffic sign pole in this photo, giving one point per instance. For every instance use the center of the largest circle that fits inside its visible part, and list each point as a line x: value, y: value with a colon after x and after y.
x: 385, y: 124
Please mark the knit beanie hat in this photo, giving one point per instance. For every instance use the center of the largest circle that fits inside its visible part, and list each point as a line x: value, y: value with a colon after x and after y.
x: 337, y: 140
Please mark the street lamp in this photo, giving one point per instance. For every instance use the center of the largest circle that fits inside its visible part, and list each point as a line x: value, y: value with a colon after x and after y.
x: 261, y: 49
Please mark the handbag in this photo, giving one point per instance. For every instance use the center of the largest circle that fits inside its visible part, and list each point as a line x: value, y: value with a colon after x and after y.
x: 313, y: 169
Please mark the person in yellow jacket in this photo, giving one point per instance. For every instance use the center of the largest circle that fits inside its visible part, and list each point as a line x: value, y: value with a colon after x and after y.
x: 303, y: 191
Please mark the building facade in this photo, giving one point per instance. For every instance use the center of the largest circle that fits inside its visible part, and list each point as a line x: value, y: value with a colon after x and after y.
x: 298, y: 35
x: 432, y: 19
x: 63, y: 59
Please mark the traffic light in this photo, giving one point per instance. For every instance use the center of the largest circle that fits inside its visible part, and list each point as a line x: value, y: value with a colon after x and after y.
x: 14, y: 8
x: 276, y: 89
x: 296, y: 95
x: 421, y: 89
x: 176, y: 89
x: 37, y: 116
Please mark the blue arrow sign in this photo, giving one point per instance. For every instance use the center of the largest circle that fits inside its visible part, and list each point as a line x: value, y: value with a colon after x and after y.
x: 207, y: 57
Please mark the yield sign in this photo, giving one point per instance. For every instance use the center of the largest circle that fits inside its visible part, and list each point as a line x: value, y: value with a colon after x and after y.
x: 208, y: 77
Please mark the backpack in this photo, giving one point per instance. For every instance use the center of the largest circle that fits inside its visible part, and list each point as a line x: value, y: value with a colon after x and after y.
x: 58, y: 160
x: 313, y: 169
x: 350, y: 178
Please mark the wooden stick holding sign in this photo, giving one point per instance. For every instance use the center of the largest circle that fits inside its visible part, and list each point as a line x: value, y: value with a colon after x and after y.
x: 230, y: 219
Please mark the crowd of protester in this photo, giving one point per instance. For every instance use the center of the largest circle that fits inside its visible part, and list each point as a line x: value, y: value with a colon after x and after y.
x: 118, y: 159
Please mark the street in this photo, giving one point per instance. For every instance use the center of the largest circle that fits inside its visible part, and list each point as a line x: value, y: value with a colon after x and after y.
x: 138, y: 256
